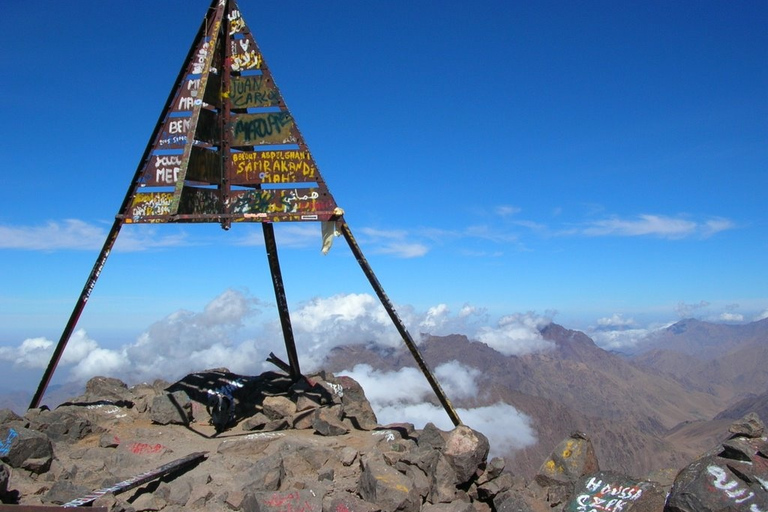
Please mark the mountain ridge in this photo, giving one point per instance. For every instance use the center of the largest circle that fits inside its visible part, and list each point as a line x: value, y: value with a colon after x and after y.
x: 640, y: 403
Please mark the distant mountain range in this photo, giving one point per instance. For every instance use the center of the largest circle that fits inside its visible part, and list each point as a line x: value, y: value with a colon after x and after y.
x: 657, y: 408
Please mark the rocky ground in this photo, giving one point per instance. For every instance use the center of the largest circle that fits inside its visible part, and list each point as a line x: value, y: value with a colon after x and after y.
x: 219, y: 441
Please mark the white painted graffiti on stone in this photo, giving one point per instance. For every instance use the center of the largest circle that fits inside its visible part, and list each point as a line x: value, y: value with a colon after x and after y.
x: 732, y: 488
x: 605, y: 497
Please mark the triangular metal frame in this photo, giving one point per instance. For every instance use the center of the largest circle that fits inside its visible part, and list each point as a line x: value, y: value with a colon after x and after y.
x: 226, y: 149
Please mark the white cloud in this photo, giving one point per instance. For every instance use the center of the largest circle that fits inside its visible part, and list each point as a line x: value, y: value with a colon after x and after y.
x: 287, y: 234
x: 99, y: 361
x: 187, y: 341
x: 684, y: 310
x: 506, y: 428
x: 32, y: 353
x: 506, y: 210
x: 394, y: 242
x: 440, y: 321
x: 661, y: 226
x: 714, y: 226
x: 619, y: 340
x: 615, y: 321
x: 67, y: 234
x: 731, y: 317
x: 458, y: 381
x: 516, y: 334
x: 762, y: 316
x: 74, y: 234
x: 403, y: 250
x: 656, y: 225
x: 401, y: 396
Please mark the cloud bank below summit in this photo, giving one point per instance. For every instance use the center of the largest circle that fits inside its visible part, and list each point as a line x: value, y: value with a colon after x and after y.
x: 186, y: 341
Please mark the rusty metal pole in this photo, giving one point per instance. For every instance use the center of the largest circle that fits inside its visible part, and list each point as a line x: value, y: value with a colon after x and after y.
x: 282, y: 302
x: 76, y: 312
x: 399, y: 323
x: 112, y: 236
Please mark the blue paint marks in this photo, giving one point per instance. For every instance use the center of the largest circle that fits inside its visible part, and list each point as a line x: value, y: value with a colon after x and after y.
x: 5, y: 446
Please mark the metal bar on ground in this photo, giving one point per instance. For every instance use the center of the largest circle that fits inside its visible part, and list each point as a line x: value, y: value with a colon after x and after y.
x: 43, y: 508
x: 398, y: 323
x: 282, y: 302
x: 138, y: 480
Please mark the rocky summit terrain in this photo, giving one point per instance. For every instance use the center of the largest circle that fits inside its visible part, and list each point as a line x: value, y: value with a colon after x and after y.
x: 657, y: 409
x: 219, y: 441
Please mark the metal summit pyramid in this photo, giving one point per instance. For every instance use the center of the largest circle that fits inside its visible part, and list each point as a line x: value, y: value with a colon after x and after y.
x: 226, y: 149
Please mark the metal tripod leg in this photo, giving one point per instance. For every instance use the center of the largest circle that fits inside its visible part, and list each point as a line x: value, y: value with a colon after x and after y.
x: 76, y: 312
x: 398, y: 323
x: 282, y: 302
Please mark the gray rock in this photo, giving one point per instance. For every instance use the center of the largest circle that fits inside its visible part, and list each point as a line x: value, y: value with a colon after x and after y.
x: 431, y: 437
x: 303, y: 419
x: 348, y: 455
x: 356, y: 406
x: 443, y: 482
x: 107, y: 389
x: 749, y: 426
x: 511, y: 501
x: 171, y: 408
x: 67, y: 423
x: 714, y: 483
x: 386, y: 487
x: 5, y: 475
x: 490, y: 488
x: 7, y: 416
x: 64, y: 491
x: 255, y: 422
x: 466, y: 450
x: 266, y: 474
x: 278, y: 407
x: 22, y: 447
x: 573, y: 458
x: 613, y: 491
x: 109, y: 441
x: 282, y: 501
x: 492, y: 470
x: 326, y: 422
x: 347, y: 502
x: 454, y: 506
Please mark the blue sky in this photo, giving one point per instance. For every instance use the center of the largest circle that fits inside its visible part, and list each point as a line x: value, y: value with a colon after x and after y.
x: 599, y: 163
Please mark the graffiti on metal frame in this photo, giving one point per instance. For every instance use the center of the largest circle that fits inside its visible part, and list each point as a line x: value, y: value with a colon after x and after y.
x: 243, y: 51
x: 200, y: 201
x: 286, y: 166
x: 268, y: 128
x: 244, y: 54
x: 253, y: 91
x: 281, y: 201
x: 150, y: 204
x: 204, y: 166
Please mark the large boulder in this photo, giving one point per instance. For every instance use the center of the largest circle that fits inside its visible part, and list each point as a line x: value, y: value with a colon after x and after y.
x: 297, y: 500
x: 610, y: 491
x: 733, y: 476
x: 25, y: 448
x: 386, y: 487
x: 171, y: 408
x: 572, y: 459
x: 107, y: 389
x: 356, y: 406
x: 466, y: 450
x: 66, y: 423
